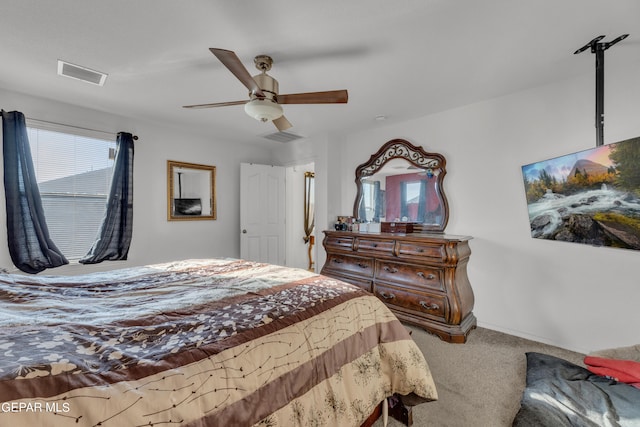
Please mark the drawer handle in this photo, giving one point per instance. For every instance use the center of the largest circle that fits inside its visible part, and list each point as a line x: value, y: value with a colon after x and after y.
x: 337, y: 261
x: 390, y: 269
x: 428, y: 277
x: 387, y: 296
x: 363, y: 265
x: 429, y: 306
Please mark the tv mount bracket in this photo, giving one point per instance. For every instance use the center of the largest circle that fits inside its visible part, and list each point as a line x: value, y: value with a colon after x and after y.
x: 598, y: 47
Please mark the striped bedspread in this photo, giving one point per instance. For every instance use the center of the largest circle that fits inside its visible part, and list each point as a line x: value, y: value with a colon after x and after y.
x: 220, y: 342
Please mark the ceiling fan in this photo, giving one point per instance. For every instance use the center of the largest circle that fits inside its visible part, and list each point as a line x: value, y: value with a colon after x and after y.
x: 264, y: 102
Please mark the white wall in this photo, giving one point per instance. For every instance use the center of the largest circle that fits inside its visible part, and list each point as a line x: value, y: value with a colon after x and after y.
x: 575, y: 296
x: 154, y: 238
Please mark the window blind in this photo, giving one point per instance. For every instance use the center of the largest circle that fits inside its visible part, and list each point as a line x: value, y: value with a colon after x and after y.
x: 74, y: 174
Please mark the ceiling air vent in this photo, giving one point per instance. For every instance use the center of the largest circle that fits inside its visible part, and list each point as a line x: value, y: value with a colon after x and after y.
x: 81, y: 73
x: 283, y: 136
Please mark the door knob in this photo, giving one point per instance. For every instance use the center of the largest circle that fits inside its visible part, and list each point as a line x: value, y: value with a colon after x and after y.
x: 244, y: 231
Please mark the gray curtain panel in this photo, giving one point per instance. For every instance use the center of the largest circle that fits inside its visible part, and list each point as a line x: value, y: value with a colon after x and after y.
x: 114, y: 236
x: 30, y: 246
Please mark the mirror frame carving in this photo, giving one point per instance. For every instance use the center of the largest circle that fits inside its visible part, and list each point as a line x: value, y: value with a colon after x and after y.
x: 416, y: 156
x: 171, y: 165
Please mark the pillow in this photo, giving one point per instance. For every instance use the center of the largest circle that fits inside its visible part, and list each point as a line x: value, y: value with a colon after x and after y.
x: 560, y: 393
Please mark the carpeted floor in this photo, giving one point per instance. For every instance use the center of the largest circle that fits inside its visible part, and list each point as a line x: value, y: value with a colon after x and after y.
x: 479, y: 383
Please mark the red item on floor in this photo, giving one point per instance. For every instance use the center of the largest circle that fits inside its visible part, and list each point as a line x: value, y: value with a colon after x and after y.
x: 626, y: 371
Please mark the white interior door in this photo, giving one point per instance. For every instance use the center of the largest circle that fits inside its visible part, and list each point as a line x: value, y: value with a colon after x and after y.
x: 262, y: 213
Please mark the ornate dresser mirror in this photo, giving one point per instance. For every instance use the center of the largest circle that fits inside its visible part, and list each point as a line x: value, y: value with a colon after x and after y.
x: 402, y: 183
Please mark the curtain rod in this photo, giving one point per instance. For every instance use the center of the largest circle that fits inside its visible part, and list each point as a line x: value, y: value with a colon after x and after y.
x: 135, y: 137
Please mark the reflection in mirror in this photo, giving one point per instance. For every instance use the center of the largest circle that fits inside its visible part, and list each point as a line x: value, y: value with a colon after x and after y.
x: 372, y: 206
x: 190, y: 191
x: 402, y: 183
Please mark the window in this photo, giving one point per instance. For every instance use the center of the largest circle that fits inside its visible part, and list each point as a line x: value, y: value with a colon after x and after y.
x: 369, y: 200
x: 413, y: 192
x: 412, y: 201
x: 74, y: 176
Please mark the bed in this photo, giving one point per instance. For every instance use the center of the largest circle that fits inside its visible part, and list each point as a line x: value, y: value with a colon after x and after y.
x: 212, y: 342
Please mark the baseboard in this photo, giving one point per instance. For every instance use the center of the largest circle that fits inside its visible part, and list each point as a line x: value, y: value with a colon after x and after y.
x: 528, y: 336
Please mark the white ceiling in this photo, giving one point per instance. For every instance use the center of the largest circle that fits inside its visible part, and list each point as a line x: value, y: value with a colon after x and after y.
x: 401, y: 59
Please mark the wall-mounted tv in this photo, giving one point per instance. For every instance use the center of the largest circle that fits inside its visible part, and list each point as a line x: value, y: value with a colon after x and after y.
x: 590, y: 197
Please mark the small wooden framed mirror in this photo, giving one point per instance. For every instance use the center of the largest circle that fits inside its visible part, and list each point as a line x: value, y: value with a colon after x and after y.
x: 191, y: 191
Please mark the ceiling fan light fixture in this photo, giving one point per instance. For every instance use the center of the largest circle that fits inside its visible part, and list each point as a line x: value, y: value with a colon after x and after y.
x: 263, y: 110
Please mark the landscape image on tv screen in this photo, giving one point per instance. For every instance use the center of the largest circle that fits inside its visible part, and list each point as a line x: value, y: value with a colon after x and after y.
x: 590, y: 197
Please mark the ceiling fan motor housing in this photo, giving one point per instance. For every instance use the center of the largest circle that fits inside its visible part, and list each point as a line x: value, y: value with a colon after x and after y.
x: 268, y: 84
x: 267, y: 108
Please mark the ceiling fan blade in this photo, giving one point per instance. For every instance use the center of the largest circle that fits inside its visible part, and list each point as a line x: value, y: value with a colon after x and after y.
x: 328, y: 97
x: 233, y: 63
x: 282, y: 123
x: 215, y: 104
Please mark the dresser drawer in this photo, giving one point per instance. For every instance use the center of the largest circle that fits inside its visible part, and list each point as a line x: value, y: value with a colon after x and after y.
x: 367, y: 285
x: 341, y: 242
x: 376, y: 247
x: 350, y: 264
x: 422, y: 250
x: 418, y: 276
x: 433, y: 305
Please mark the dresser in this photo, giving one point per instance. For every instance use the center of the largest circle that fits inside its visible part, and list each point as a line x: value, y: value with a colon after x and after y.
x: 422, y: 277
